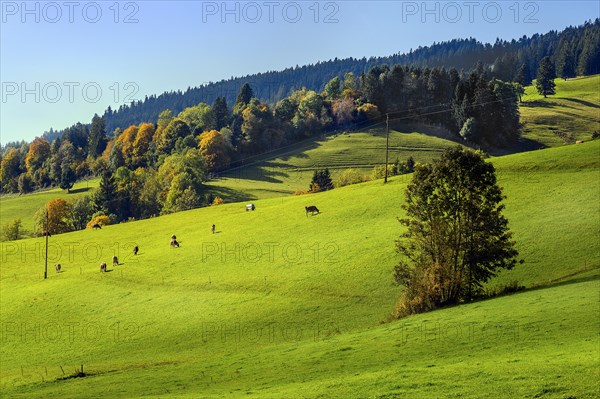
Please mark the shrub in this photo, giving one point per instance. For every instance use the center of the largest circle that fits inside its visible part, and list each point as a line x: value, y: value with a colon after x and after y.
x: 314, y: 188
x: 350, y: 176
x: 421, y: 293
x: 300, y: 192
x: 102, y: 220
x: 596, y: 135
x: 378, y: 172
x: 13, y: 230
x: 217, y: 201
x: 508, y: 288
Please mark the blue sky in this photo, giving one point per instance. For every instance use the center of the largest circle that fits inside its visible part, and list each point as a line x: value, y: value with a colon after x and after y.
x: 61, y: 62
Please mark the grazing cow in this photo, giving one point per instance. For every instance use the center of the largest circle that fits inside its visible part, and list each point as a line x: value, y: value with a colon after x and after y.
x: 213, y: 229
x: 174, y: 242
x: 135, y: 250
x: 312, y: 209
x: 57, y: 267
x: 96, y: 226
x: 102, y: 267
x: 115, y: 261
x: 250, y: 207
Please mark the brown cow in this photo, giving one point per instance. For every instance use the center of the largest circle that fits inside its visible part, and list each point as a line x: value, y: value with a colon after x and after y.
x: 174, y: 242
x: 57, y: 267
x: 102, y: 267
x: 135, y: 250
x: 115, y: 261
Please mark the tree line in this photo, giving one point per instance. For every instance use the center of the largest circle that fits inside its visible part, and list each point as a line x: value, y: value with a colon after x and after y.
x: 218, y: 134
x: 574, y: 51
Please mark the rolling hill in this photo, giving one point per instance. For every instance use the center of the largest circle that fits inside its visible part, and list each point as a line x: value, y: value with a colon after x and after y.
x: 277, y: 304
x: 24, y: 207
x: 573, y: 113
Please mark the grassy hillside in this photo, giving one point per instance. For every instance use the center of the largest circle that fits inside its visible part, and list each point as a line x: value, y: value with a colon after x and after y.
x: 573, y: 113
x: 14, y: 206
x: 280, y: 305
x: 290, y: 169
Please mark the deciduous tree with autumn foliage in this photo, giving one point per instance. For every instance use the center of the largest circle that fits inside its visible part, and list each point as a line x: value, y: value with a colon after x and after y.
x: 215, y: 150
x: 59, y: 211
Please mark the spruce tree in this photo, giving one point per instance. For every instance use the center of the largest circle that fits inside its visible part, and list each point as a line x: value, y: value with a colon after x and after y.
x: 545, y: 77
x: 97, y: 137
x: 244, y: 96
x: 105, y: 197
x: 221, y: 113
x: 321, y: 181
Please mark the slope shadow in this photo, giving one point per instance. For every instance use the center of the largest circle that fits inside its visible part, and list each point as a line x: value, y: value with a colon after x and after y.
x: 231, y: 194
x: 582, y: 102
x: 79, y: 190
x: 538, y: 104
x: 567, y: 280
x: 524, y: 145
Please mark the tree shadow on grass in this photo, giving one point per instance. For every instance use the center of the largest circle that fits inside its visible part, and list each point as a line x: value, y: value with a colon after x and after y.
x: 79, y: 190
x: 229, y: 194
x: 582, y: 102
x: 539, y: 104
x: 567, y: 280
x: 524, y: 145
x: 268, y: 172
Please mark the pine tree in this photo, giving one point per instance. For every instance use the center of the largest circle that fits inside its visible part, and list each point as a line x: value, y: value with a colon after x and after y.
x: 244, y: 96
x: 97, y: 137
x: 105, y: 198
x: 221, y: 113
x: 523, y: 76
x: 545, y: 77
x: 565, y: 61
x: 321, y: 181
x: 589, y: 60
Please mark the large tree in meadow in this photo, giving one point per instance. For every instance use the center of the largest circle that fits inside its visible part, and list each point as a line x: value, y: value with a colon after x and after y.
x: 457, y: 237
x: 545, y: 77
x: 59, y: 211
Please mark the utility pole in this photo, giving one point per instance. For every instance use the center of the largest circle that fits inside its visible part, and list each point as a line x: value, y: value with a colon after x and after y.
x: 387, y: 145
x: 46, y: 267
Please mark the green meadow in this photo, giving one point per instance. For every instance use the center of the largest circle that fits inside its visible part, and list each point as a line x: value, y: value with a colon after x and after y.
x: 24, y: 207
x: 277, y: 304
x: 572, y: 114
x: 290, y: 169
